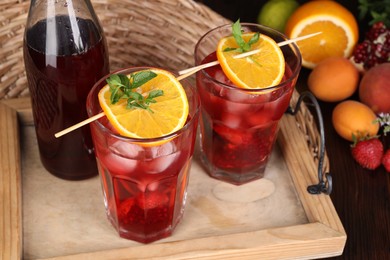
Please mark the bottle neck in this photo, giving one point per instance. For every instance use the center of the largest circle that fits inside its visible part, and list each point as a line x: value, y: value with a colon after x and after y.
x: 65, y: 26
x: 40, y: 9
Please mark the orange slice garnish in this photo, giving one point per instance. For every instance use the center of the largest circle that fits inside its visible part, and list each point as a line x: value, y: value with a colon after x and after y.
x: 167, y: 115
x: 261, y: 70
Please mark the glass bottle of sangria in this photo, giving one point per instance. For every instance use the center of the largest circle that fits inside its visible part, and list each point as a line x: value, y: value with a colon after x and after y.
x: 65, y: 53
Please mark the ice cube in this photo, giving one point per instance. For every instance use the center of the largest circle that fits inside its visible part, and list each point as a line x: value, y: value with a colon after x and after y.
x: 220, y: 76
x: 229, y: 134
x: 161, y: 164
x: 236, y: 108
x: 126, y: 149
x: 153, y: 186
x: 232, y: 121
x: 162, y: 150
x: 118, y: 165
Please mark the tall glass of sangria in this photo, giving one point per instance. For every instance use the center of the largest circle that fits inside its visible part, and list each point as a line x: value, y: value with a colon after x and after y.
x: 239, y: 123
x: 144, y: 168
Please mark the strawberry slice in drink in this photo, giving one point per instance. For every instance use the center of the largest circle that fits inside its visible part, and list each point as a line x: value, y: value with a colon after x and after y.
x: 151, y: 200
x: 125, y: 208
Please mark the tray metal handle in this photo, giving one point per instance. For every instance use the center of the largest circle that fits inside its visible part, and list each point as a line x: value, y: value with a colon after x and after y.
x: 324, y: 184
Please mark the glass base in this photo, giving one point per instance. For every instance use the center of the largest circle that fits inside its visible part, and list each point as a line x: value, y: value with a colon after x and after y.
x: 147, y: 237
x: 236, y: 178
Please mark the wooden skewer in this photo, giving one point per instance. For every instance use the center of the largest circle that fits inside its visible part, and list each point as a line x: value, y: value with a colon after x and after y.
x: 245, y: 54
x: 97, y: 116
x: 78, y: 125
x: 184, y: 74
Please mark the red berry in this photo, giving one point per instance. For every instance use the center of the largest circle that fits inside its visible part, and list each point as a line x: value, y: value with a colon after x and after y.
x: 386, y: 160
x: 368, y: 153
x: 125, y: 208
x: 152, y: 200
x: 375, y: 49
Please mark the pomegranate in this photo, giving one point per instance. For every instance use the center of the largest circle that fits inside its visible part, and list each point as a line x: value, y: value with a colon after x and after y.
x: 374, y: 50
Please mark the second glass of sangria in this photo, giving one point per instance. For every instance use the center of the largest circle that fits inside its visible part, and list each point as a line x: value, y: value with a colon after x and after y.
x: 239, y: 125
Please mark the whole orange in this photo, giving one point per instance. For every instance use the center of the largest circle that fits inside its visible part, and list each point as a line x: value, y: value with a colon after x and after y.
x: 333, y: 79
x: 352, y: 118
x: 338, y: 25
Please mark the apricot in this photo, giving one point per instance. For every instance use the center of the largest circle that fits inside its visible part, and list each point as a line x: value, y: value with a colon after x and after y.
x: 353, y: 118
x: 333, y: 79
x: 374, y: 88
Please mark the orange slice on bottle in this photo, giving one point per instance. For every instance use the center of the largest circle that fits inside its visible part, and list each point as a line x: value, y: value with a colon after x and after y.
x: 167, y: 115
x: 261, y: 70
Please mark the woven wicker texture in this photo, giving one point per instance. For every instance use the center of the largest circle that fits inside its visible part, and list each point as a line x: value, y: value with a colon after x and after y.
x: 155, y: 32
x: 159, y: 33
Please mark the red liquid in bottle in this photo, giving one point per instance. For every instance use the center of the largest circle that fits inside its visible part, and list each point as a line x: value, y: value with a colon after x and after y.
x: 60, y: 78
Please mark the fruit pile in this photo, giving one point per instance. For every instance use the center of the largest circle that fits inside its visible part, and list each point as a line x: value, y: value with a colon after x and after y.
x: 367, y: 73
x: 342, y: 69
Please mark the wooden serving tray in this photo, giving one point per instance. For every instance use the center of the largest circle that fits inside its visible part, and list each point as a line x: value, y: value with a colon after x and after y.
x: 43, y: 217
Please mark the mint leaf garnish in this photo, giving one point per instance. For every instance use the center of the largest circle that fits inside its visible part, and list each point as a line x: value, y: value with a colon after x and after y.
x: 122, y: 87
x: 237, y: 35
x: 140, y: 78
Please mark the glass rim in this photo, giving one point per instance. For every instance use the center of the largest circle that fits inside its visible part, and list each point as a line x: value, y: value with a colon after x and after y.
x: 292, y: 45
x: 167, y: 137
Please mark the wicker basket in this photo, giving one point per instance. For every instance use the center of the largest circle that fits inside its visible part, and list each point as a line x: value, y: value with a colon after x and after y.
x: 155, y: 32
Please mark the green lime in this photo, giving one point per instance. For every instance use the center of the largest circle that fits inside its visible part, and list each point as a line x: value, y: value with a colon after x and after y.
x: 275, y: 13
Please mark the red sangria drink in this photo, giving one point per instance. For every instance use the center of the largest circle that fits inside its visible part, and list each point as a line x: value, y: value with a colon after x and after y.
x: 238, y: 125
x: 144, y: 180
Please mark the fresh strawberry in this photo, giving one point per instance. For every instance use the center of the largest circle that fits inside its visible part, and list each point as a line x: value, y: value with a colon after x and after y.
x: 368, y: 153
x: 386, y: 160
x: 125, y: 208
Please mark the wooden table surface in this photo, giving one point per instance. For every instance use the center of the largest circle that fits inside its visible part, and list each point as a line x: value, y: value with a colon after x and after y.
x: 361, y: 197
